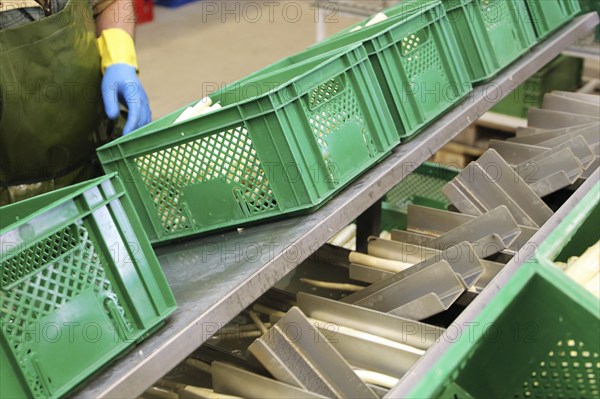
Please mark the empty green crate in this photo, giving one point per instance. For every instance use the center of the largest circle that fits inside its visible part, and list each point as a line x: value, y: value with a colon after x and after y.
x: 80, y: 284
x: 564, y: 73
x: 537, y: 338
x: 549, y: 15
x: 421, y: 187
x: 283, y: 142
x: 416, y: 60
x: 491, y: 34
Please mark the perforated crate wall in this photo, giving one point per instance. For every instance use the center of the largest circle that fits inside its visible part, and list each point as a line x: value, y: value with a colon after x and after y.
x: 425, y: 183
x: 229, y: 155
x: 45, y: 277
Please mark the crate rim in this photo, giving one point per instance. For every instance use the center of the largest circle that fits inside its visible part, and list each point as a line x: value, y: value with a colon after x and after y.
x: 77, y: 190
x: 554, y: 243
x: 132, y: 137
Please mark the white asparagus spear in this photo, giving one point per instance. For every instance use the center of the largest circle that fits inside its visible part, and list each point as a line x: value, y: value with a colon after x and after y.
x: 386, y: 235
x: 374, y: 378
x: 212, y: 108
x: 201, y: 105
x: 261, y: 326
x: 198, y: 109
x: 377, y: 18
x: 343, y: 235
x: 162, y: 393
x: 586, y: 266
x: 203, y: 393
x: 332, y: 286
x: 378, y: 263
x: 188, y: 113
x: 324, y: 325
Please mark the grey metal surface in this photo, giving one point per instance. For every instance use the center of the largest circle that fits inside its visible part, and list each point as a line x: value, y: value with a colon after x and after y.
x: 464, y: 323
x: 497, y: 221
x: 312, y: 360
x: 467, y: 271
x: 366, y: 352
x: 566, y: 104
x: 437, y: 222
x: 490, y: 182
x: 460, y: 257
x: 400, y: 251
x: 516, y: 153
x: 589, y: 98
x: 483, y: 246
x: 395, y: 328
x: 231, y: 380
x: 552, y: 171
x: 547, y: 119
x: 534, y: 135
x: 367, y: 274
x: 215, y: 277
x: 419, y: 295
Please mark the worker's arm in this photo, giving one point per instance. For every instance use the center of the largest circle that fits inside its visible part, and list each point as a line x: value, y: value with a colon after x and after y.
x: 115, y: 27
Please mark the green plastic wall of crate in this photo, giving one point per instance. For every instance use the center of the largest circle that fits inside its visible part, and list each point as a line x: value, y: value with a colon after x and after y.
x: 414, y: 102
x: 564, y: 73
x: 278, y: 126
x: 491, y: 34
x: 549, y: 15
x: 421, y: 187
x: 73, y: 327
x: 588, y: 6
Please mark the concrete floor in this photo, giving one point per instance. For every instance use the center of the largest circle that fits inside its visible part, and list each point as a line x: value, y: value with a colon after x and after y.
x: 187, y: 51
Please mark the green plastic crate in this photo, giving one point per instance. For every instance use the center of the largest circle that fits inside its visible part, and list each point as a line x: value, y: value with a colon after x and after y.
x: 283, y: 142
x: 421, y: 187
x: 416, y: 60
x: 564, y: 73
x: 549, y: 15
x: 576, y: 233
x: 491, y: 34
x: 537, y: 338
x: 80, y: 284
x: 589, y: 6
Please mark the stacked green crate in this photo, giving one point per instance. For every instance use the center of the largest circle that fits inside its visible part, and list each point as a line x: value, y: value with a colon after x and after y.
x: 79, y: 284
x: 549, y: 15
x: 491, y: 34
x: 416, y: 58
x: 564, y: 73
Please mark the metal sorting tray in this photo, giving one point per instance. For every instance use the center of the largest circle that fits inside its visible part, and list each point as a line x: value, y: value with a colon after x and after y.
x: 549, y: 160
x: 438, y: 223
x: 295, y: 352
x: 426, y: 288
x: 489, y: 233
x: 490, y: 182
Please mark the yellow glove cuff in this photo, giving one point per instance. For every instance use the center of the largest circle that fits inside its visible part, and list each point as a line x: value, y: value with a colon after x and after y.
x: 116, y: 47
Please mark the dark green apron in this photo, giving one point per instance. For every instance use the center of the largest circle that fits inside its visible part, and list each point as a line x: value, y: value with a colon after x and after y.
x: 51, y: 109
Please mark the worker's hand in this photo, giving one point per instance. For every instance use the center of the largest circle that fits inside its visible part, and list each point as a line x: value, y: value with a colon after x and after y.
x: 121, y: 85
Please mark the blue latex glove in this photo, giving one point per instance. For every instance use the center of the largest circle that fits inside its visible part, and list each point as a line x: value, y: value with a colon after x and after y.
x: 120, y: 84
